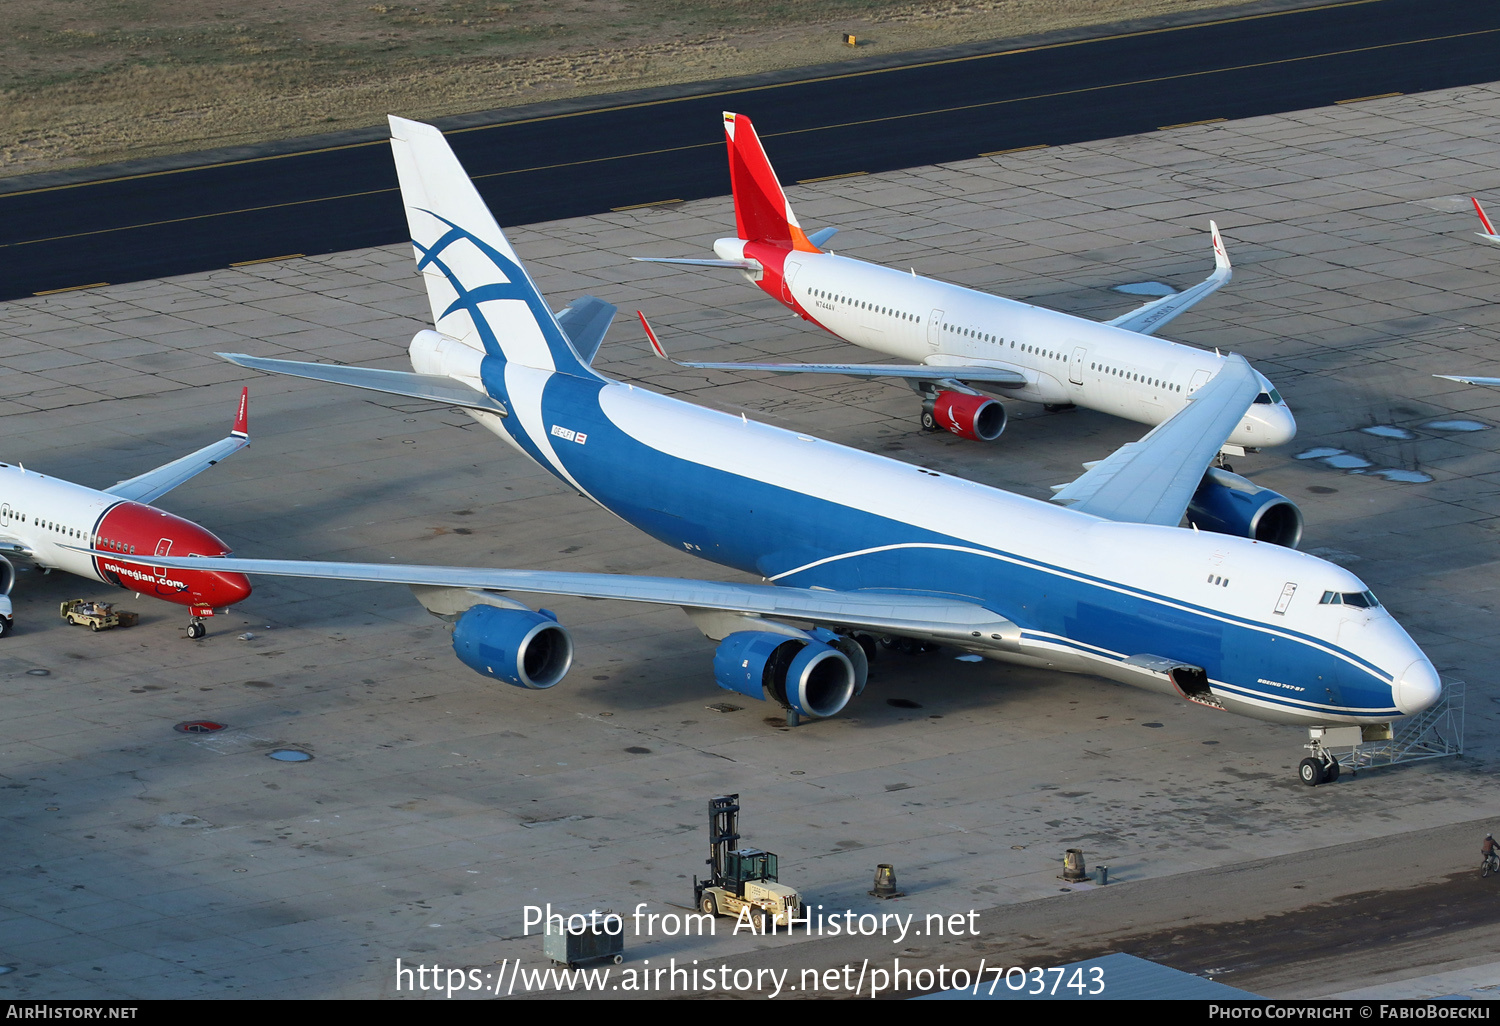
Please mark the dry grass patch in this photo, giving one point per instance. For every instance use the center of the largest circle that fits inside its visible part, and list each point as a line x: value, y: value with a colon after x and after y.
x: 95, y: 81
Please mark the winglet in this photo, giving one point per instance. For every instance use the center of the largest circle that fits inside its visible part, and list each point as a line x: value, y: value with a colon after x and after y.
x: 1149, y: 318
x: 1489, y: 229
x: 651, y: 337
x: 1221, y: 255
x: 242, y: 419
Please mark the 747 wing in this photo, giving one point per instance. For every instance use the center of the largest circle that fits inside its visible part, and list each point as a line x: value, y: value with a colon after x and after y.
x: 1168, y: 473
x: 923, y: 617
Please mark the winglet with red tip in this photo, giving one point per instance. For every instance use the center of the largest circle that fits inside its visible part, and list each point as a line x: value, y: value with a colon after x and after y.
x: 242, y: 419
x: 651, y: 337
x: 1489, y: 229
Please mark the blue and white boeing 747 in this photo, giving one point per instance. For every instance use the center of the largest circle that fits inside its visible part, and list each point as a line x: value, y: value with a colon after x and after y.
x: 853, y: 546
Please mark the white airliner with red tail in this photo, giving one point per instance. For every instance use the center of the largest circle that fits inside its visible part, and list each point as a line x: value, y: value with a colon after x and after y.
x: 954, y: 337
x: 50, y: 522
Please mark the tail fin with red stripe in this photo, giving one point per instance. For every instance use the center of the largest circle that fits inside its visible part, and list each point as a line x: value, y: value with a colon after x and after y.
x: 761, y: 212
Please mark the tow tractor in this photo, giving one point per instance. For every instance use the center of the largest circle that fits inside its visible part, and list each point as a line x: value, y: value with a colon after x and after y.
x: 740, y: 878
x: 96, y: 616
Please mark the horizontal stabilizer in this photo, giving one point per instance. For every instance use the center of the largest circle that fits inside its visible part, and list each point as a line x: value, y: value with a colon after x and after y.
x: 821, y: 236
x: 739, y: 265
x: 586, y: 321
x: 154, y: 484
x: 436, y: 388
x: 1153, y: 316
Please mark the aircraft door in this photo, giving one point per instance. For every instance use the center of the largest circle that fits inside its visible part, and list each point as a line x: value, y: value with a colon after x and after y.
x: 163, y: 548
x: 1199, y: 377
x: 5, y: 515
x: 935, y: 332
x: 1075, y: 369
x: 1286, y: 598
x: 788, y: 274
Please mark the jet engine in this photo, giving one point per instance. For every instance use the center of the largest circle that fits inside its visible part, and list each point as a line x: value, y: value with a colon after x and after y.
x: 523, y: 648
x: 1229, y: 504
x: 811, y: 676
x: 7, y: 576
x: 974, y: 417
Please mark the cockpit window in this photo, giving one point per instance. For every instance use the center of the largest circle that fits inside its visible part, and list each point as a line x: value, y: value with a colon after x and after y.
x: 1362, y: 599
x: 1268, y: 398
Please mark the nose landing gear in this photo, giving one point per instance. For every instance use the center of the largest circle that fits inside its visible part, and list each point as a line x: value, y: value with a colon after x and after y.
x: 196, y: 628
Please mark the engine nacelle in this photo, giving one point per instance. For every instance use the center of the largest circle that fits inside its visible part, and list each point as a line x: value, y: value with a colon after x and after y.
x: 1229, y: 504
x: 808, y: 676
x: 7, y: 576
x: 526, y: 649
x: 974, y: 417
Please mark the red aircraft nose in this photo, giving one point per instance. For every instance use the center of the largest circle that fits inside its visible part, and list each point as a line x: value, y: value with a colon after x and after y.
x: 137, y: 532
x: 224, y: 589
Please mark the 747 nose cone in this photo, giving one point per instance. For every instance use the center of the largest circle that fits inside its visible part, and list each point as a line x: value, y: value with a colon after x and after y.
x: 1417, y: 688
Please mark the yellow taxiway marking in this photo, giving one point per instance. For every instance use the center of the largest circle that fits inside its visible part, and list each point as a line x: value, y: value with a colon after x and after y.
x: 70, y: 288
x: 1377, y: 96
x: 267, y: 260
x: 1016, y: 149
x: 831, y: 178
x: 1192, y: 124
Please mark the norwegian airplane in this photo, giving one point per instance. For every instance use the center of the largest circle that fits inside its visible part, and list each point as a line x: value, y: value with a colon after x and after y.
x: 852, y: 546
x: 50, y: 523
x: 956, y: 337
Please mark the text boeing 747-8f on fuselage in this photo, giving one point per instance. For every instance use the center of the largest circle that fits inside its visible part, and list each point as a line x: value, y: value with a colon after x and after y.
x: 954, y: 337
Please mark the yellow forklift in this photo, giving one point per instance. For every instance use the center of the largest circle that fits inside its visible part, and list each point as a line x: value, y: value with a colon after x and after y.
x: 741, y: 878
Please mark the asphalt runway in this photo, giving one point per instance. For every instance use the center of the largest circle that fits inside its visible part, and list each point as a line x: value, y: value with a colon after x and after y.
x: 143, y: 862
x: 336, y: 194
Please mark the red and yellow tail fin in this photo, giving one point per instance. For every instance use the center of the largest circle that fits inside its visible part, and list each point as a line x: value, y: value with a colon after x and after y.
x: 761, y: 212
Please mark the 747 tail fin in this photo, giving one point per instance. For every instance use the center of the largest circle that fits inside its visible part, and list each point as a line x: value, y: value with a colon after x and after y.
x: 480, y: 293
